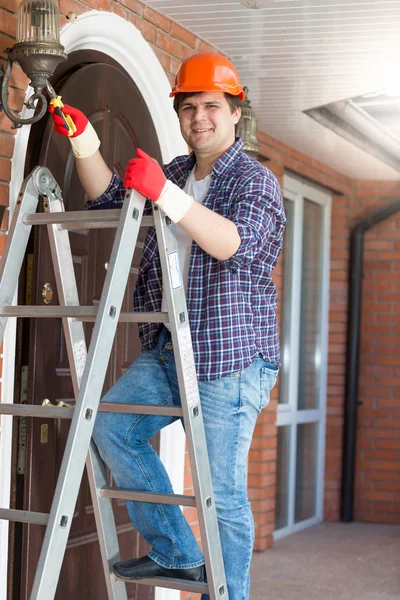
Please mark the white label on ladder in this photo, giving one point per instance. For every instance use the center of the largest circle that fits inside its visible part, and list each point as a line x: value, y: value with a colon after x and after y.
x: 175, y: 270
x: 188, y: 367
x: 80, y: 356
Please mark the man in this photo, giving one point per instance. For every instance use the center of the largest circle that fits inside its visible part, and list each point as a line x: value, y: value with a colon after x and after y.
x: 230, y: 226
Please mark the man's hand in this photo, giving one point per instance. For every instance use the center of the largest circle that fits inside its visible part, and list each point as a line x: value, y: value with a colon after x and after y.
x: 84, y: 141
x: 145, y: 175
x: 80, y: 120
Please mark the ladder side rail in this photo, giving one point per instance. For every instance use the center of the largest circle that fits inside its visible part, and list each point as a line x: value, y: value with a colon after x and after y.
x: 190, y: 399
x: 67, y: 488
x: 74, y: 334
x: 17, y: 241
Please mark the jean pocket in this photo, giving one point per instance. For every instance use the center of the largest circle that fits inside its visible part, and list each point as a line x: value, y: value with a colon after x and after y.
x: 268, y: 379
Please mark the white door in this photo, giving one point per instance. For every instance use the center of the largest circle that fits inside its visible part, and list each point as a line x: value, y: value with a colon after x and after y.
x: 304, y: 329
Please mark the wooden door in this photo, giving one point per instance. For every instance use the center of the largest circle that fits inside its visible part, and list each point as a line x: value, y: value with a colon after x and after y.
x: 117, y: 111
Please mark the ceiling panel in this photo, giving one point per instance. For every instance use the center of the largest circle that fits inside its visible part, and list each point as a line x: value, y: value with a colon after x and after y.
x: 299, y: 54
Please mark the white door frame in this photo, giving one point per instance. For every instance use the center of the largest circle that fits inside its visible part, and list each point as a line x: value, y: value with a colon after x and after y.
x: 296, y: 190
x: 112, y: 35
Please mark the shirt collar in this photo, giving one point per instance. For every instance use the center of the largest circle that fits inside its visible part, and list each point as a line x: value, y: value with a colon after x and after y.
x: 223, y: 164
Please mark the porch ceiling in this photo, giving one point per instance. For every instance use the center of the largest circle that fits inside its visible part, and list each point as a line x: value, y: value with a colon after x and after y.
x: 299, y: 54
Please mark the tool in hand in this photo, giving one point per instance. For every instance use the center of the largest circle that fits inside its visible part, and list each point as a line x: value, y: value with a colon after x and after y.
x: 57, y: 103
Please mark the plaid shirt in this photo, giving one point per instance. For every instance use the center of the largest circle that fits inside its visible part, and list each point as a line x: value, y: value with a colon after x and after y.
x: 231, y: 303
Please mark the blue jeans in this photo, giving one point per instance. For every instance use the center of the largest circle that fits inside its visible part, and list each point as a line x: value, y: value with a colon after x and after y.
x: 230, y: 407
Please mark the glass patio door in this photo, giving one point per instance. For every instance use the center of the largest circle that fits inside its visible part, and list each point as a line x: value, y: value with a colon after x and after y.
x: 304, y: 329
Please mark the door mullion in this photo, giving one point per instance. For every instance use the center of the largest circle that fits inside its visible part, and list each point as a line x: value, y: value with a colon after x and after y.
x: 295, y: 351
x: 292, y: 475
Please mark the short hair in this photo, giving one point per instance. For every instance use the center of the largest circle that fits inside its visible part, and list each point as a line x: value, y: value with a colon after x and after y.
x: 233, y: 101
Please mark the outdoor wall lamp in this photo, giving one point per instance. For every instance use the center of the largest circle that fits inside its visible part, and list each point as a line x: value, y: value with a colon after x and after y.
x: 38, y: 52
x: 247, y: 127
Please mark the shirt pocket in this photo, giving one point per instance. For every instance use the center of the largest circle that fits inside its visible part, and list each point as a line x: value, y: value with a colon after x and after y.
x: 268, y: 377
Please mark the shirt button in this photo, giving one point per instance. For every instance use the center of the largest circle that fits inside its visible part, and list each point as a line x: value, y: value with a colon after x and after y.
x: 169, y: 346
x: 162, y: 358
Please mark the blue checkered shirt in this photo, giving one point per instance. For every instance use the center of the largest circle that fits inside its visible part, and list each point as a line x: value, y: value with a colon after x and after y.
x: 231, y: 303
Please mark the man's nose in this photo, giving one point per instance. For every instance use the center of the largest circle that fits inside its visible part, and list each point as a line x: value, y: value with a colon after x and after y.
x: 199, y: 114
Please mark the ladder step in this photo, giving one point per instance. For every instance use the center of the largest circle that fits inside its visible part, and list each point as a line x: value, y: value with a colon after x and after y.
x: 35, y: 410
x: 55, y: 412
x: 23, y: 516
x: 77, y: 219
x: 141, y: 409
x: 174, y: 584
x: 123, y: 494
x: 79, y: 313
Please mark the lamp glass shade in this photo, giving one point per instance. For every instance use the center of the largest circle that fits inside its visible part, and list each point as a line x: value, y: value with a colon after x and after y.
x: 247, y: 127
x: 38, y: 21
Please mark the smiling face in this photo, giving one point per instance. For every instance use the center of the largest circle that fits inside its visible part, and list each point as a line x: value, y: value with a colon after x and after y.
x: 208, y: 123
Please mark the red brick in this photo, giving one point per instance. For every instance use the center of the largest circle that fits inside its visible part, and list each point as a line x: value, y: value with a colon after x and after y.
x: 187, y: 52
x: 157, y: 19
x: 5, y: 124
x: 120, y: 10
x: 169, y: 45
x: 174, y: 65
x: 163, y: 57
x: 148, y: 30
x: 74, y: 6
x: 259, y: 443
x: 183, y: 35
x: 5, y: 169
x: 134, y: 5
x: 6, y: 145
x: 103, y: 5
x: 10, y: 5
x: 261, y: 481
x: 8, y: 23
x: 202, y: 46
x: 191, y: 515
x: 387, y: 465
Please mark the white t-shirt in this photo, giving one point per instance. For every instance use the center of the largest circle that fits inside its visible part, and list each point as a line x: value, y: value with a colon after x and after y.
x: 197, y: 189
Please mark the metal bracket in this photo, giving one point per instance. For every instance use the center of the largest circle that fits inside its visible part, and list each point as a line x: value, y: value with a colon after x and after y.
x: 45, y: 184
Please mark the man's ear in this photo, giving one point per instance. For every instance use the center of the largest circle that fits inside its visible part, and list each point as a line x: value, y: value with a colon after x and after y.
x: 237, y: 114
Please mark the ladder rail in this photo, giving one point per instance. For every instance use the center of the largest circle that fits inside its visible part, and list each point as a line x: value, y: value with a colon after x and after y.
x: 191, y: 406
x: 77, y: 355
x: 78, y: 440
x: 17, y: 240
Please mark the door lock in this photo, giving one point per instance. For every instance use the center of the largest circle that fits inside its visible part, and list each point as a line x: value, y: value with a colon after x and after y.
x: 47, y: 293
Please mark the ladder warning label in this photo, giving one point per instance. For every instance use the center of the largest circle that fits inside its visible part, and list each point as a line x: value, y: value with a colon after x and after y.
x: 80, y: 356
x: 188, y: 367
x: 174, y: 270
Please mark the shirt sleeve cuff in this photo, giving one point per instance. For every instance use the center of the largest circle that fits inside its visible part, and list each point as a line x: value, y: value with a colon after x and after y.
x: 112, y: 197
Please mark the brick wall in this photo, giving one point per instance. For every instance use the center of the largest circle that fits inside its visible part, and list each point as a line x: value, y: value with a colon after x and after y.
x: 377, y: 497
x: 378, y: 483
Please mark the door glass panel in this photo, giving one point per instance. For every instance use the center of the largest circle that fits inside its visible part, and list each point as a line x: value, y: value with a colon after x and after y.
x: 310, y: 318
x: 282, y: 478
x: 306, y: 458
x: 286, y: 294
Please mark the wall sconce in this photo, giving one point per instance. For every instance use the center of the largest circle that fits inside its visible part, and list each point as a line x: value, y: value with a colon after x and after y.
x: 37, y: 50
x: 247, y: 127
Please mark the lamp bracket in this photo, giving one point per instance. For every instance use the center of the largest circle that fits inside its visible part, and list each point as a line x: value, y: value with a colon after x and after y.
x: 17, y: 122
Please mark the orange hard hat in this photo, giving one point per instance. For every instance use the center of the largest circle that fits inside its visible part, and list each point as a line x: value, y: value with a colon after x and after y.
x: 208, y: 72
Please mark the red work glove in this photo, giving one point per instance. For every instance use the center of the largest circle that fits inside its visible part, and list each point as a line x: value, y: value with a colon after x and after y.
x: 145, y: 175
x: 76, y: 115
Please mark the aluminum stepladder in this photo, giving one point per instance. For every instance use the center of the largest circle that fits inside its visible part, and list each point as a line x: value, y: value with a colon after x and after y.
x: 88, y: 373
